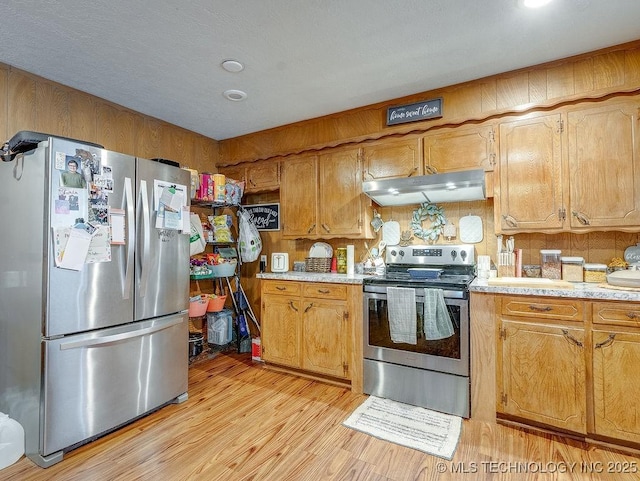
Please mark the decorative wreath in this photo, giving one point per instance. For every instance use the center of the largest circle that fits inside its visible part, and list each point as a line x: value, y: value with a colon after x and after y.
x: 432, y: 212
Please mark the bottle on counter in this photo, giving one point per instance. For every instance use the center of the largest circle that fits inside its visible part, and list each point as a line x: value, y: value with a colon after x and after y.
x: 341, y: 260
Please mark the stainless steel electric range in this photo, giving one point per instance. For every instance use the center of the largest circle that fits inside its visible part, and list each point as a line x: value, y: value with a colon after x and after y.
x: 416, y: 327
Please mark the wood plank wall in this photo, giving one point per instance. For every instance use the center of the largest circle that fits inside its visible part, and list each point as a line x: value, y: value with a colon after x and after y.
x: 29, y: 102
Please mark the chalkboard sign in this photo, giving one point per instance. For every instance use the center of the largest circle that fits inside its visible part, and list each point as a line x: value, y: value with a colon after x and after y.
x: 264, y: 216
x: 429, y: 109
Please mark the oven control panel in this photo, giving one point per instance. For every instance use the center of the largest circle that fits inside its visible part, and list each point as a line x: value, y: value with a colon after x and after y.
x: 461, y: 254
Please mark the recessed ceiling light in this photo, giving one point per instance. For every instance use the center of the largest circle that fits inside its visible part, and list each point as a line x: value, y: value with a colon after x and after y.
x: 534, y: 3
x: 235, y: 95
x: 232, y: 66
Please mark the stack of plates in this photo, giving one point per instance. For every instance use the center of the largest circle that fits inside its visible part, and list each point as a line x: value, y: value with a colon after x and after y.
x: 321, y: 249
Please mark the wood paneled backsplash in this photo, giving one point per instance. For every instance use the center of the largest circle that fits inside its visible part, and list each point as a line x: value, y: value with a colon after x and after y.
x: 29, y: 102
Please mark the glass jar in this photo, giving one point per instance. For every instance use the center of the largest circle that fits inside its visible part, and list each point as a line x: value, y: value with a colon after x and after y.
x: 341, y: 260
x: 550, y: 265
x: 572, y: 268
x: 595, y: 272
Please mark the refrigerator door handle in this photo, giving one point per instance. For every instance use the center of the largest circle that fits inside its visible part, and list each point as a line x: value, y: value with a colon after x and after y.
x: 119, y: 337
x: 146, y: 226
x: 128, y: 200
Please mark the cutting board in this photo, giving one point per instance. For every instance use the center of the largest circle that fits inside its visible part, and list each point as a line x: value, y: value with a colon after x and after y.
x: 470, y: 229
x: 391, y: 232
x: 538, y: 282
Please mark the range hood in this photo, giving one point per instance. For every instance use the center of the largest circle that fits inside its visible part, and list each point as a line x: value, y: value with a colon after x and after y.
x: 436, y: 188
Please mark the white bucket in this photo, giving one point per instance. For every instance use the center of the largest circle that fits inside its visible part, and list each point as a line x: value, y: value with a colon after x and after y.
x: 11, y: 441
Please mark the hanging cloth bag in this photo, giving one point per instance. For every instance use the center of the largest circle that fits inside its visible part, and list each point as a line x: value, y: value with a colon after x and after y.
x: 249, y: 239
x: 197, y: 243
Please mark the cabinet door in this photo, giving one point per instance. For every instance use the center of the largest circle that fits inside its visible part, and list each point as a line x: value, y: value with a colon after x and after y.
x: 616, y: 385
x: 392, y: 158
x: 604, y: 165
x: 530, y: 196
x: 542, y: 374
x: 235, y: 172
x: 460, y: 148
x: 263, y: 176
x: 325, y: 336
x: 298, y: 197
x: 341, y: 201
x: 280, y: 329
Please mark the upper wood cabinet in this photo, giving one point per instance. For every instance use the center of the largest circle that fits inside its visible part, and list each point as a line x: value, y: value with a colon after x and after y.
x: 576, y: 169
x: 460, y: 148
x: 529, y: 193
x: 392, y: 158
x: 321, y: 197
x: 235, y: 172
x: 261, y: 176
x: 604, y: 165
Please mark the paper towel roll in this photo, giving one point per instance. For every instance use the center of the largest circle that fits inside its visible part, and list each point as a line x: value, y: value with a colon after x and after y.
x: 350, y: 260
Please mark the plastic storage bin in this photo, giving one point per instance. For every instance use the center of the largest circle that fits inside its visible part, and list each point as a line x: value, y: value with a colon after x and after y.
x: 550, y: 266
x: 223, y: 270
x: 572, y: 268
x: 595, y: 273
x: 216, y: 303
x: 198, y: 307
x: 220, y: 327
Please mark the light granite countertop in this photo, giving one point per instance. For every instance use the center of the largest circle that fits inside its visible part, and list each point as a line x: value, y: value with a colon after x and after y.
x: 313, y: 277
x: 581, y: 290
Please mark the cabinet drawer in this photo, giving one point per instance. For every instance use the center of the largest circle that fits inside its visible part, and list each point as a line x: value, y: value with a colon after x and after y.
x: 325, y: 291
x: 565, y: 309
x: 620, y: 314
x: 281, y: 287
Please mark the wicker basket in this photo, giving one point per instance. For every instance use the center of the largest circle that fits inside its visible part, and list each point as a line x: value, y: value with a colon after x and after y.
x: 318, y: 264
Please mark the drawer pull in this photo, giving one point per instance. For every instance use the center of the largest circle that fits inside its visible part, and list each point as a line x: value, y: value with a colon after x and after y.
x: 570, y: 338
x: 540, y: 309
x: 280, y: 288
x: 309, y: 307
x: 326, y: 227
x: 324, y: 291
x: 310, y: 230
x: 606, y: 342
x: 292, y: 306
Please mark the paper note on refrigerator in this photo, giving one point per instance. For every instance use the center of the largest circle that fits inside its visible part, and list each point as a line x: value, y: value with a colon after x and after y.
x: 76, y: 250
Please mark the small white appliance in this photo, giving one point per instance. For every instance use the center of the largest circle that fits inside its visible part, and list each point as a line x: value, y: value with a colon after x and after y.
x: 279, y: 262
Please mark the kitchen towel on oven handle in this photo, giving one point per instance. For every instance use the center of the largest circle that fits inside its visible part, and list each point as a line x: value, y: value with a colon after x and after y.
x: 403, y: 321
x: 437, y: 322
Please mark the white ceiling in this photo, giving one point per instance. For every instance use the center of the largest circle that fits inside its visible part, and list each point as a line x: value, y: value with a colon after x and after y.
x: 303, y: 58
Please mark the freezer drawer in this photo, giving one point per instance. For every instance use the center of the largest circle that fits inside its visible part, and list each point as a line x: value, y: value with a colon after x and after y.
x: 96, y: 381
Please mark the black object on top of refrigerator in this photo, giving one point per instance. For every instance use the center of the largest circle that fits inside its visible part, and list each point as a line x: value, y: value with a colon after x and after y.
x: 93, y: 318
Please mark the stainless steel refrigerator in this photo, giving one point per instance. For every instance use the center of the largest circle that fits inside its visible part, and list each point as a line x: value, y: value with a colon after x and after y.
x: 90, y: 337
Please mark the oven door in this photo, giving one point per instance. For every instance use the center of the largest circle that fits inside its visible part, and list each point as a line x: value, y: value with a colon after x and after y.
x: 449, y: 355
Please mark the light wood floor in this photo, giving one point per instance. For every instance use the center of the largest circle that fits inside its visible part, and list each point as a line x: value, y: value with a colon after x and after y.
x: 245, y: 422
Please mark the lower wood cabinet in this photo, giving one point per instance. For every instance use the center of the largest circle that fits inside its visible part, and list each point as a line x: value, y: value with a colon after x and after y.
x: 541, y: 374
x: 307, y: 326
x: 616, y: 368
x: 570, y: 364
